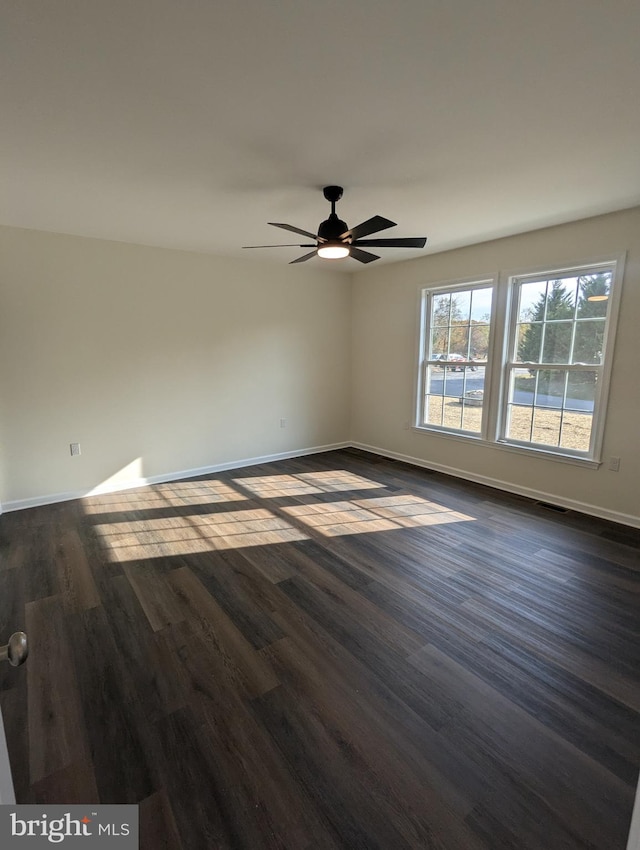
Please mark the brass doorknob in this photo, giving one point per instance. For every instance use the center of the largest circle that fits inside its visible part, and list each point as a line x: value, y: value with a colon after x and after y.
x: 16, y: 651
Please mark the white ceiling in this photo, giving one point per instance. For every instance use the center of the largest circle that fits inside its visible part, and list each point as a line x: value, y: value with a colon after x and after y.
x: 191, y: 124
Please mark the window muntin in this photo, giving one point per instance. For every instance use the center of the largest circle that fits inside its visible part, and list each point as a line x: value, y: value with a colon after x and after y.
x: 457, y: 323
x: 557, y: 324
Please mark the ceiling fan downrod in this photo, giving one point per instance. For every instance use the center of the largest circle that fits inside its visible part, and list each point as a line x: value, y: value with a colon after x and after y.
x: 333, y: 228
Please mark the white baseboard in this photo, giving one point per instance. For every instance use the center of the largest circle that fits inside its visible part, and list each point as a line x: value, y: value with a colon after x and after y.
x: 498, y: 484
x: 52, y: 498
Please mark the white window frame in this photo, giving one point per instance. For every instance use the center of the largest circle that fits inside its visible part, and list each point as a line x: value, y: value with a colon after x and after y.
x: 427, y: 293
x: 501, y: 346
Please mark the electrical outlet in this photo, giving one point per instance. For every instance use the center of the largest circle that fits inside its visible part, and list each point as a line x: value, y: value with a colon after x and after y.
x: 75, y: 449
x: 614, y: 464
x: 283, y: 423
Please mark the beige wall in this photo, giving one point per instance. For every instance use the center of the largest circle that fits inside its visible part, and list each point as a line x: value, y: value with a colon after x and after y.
x: 384, y: 354
x: 159, y: 361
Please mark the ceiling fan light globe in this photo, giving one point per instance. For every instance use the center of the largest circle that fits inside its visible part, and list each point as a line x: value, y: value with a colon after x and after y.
x: 333, y: 252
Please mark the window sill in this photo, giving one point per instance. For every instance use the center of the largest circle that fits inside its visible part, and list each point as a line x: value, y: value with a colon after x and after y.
x: 532, y: 451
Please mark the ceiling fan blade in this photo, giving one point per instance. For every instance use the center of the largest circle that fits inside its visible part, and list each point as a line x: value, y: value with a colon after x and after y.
x: 279, y: 246
x: 297, y: 230
x: 371, y: 225
x: 303, y: 258
x: 362, y: 256
x: 408, y: 242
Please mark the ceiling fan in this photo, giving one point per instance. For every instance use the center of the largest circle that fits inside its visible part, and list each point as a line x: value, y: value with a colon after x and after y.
x: 335, y: 240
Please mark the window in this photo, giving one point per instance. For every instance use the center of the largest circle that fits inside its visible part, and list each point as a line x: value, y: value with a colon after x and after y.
x: 456, y: 346
x: 548, y: 392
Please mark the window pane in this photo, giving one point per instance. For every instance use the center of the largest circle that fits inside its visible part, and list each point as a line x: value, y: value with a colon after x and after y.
x: 472, y: 399
x: 479, y: 342
x: 433, y: 410
x: 581, y: 391
x: 561, y: 298
x: 589, y: 341
x: 459, y: 340
x: 576, y: 431
x: 460, y: 306
x: 523, y: 387
x: 435, y: 381
x: 550, y: 387
x: 546, y: 427
x: 594, y: 295
x: 532, y: 300
x: 452, y: 413
x: 556, y: 347
x: 519, y: 423
x: 472, y: 419
x: 441, y: 309
x: 439, y: 342
x: 529, y: 342
x: 481, y: 305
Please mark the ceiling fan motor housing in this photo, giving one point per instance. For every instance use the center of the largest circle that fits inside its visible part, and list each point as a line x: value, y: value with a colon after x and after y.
x: 332, y: 228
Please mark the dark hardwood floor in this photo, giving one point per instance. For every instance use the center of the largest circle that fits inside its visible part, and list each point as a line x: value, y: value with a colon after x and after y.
x: 338, y: 651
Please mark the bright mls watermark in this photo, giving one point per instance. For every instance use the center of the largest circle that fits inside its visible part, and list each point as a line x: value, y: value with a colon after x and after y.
x: 103, y: 827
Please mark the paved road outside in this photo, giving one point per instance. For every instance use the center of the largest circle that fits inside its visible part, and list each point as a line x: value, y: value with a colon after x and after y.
x: 453, y: 384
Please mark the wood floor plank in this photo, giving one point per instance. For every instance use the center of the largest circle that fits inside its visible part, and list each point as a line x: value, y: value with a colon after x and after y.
x: 12, y: 554
x: 41, y: 578
x: 77, y: 586
x: 588, y: 665
x: 353, y: 605
x: 563, y: 702
x: 271, y: 814
x: 223, y: 573
x: 75, y: 782
x: 145, y: 653
x: 187, y: 768
x: 241, y: 660
x: 157, y: 825
x: 117, y: 730
x: 322, y: 767
x: 368, y: 648
x: 57, y: 733
x: 155, y: 595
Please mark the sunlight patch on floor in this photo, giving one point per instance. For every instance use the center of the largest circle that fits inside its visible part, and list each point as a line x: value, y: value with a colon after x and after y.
x: 164, y: 495
x: 366, y: 515
x: 276, y: 486
x: 127, y: 541
x: 306, y: 483
x: 175, y: 534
